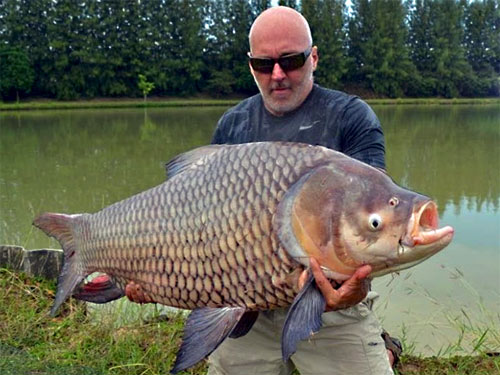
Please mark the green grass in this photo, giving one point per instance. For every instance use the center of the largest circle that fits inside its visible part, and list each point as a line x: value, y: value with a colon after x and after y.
x: 160, y: 102
x: 73, y: 343
x: 76, y: 342
x: 114, y: 103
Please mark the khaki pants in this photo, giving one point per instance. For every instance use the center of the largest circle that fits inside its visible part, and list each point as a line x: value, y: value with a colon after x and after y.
x: 349, y: 343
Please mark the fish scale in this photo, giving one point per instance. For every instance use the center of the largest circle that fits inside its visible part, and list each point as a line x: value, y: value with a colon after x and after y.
x: 204, y: 236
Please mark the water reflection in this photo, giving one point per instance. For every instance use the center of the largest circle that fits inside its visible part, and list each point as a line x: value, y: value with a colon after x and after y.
x: 80, y: 161
x: 450, y: 153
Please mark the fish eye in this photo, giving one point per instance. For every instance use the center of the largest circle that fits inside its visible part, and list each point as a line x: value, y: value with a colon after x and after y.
x: 375, y: 222
x: 393, y: 201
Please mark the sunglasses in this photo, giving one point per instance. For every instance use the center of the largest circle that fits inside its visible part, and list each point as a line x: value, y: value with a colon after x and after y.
x: 287, y: 63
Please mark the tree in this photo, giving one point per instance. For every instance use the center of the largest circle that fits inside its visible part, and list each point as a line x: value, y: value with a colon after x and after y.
x: 88, y: 48
x: 25, y: 24
x: 65, y: 69
x: 119, y: 52
x: 326, y: 19
x: 377, y: 46
x: 436, y: 35
x: 145, y: 86
x: 482, y: 44
x: 16, y: 72
x: 258, y: 6
x: 228, y: 24
x: 419, y: 40
x: 288, y: 3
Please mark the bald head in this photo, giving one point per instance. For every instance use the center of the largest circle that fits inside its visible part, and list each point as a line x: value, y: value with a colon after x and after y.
x: 281, y: 33
x: 280, y: 23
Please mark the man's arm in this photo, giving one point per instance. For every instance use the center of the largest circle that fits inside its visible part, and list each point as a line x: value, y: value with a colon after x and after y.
x: 362, y: 135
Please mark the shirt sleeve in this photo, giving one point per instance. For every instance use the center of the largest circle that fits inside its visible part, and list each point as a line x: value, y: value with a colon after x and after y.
x: 217, y: 136
x: 220, y: 135
x: 363, y: 138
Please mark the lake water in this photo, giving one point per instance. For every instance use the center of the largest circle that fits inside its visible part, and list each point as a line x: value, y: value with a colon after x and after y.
x: 82, y: 160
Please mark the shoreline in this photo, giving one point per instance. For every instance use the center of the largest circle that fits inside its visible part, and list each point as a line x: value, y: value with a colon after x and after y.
x: 150, y: 332
x: 76, y: 342
x: 108, y: 103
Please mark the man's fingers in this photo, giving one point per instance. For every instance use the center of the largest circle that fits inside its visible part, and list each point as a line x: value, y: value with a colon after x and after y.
x: 362, y: 272
x: 357, y: 281
x: 321, y: 281
x: 356, y: 287
x: 350, y: 293
x: 303, y: 278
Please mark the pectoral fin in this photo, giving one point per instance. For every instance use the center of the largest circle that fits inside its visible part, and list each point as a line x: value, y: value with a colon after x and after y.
x: 204, y: 331
x: 303, y: 318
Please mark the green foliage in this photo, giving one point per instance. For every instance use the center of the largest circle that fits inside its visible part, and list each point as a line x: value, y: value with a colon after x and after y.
x: 436, y: 35
x: 25, y: 28
x: 482, y: 43
x: 92, y: 48
x: 326, y: 19
x: 221, y: 83
x: 288, y: 3
x: 16, y: 73
x: 129, y: 339
x: 377, y: 40
x: 77, y: 342
x: 227, y: 45
x: 145, y: 86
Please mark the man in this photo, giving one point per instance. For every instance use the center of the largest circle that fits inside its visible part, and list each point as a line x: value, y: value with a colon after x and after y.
x: 290, y: 107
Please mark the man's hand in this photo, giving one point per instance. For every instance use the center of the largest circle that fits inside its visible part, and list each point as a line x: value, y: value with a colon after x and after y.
x: 135, y: 293
x: 352, y: 291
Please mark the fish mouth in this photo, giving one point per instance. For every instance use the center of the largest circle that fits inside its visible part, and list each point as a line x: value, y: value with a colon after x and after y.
x: 422, y: 240
x: 423, y: 237
x: 423, y: 227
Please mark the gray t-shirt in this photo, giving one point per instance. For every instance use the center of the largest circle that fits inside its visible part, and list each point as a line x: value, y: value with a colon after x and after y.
x: 327, y: 117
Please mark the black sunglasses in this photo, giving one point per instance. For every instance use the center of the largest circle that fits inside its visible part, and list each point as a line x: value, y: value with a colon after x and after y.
x: 286, y: 63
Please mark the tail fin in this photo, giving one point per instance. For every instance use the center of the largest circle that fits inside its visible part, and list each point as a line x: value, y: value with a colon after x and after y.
x: 61, y: 227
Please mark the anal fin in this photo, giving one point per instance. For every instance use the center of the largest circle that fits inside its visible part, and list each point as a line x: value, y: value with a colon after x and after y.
x: 100, y: 290
x: 204, y: 331
x: 303, y: 318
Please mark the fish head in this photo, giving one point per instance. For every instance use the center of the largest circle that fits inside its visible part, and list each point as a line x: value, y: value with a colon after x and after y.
x: 351, y: 214
x: 390, y: 228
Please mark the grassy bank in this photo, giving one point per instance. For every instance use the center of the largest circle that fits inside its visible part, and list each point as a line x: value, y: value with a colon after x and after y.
x: 195, y: 102
x: 114, y: 103
x: 73, y: 343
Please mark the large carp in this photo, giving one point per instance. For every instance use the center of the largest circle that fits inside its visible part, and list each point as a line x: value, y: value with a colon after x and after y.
x: 232, y: 228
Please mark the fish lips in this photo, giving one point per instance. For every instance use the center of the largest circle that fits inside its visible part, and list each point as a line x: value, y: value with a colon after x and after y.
x: 423, y: 238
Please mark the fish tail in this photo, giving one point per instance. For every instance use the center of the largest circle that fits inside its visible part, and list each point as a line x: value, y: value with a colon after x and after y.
x: 62, y: 228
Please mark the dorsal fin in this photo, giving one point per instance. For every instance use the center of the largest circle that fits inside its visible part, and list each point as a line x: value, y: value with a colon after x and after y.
x: 184, y: 161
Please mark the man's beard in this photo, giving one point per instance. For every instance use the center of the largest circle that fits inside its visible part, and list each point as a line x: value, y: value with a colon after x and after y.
x: 279, y: 107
